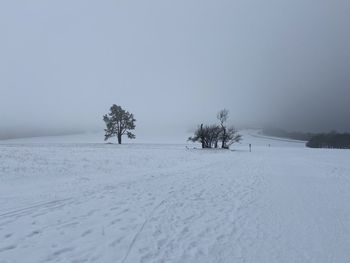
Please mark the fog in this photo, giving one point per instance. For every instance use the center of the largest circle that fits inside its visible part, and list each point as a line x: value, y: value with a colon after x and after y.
x: 174, y: 64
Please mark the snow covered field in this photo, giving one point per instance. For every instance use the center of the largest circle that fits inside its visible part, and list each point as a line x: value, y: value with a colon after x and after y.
x: 96, y: 202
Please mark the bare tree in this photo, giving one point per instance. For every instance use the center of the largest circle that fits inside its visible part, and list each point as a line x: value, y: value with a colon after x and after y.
x: 222, y: 116
x: 208, y: 136
x: 201, y: 136
x: 214, y: 132
x: 231, y: 137
x: 119, y: 122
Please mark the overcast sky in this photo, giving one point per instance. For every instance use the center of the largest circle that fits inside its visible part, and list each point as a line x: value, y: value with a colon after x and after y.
x: 174, y: 64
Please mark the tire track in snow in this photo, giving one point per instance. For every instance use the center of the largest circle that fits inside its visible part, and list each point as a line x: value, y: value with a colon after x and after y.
x: 190, y: 194
x: 140, y: 231
x: 29, y: 209
x: 149, y: 217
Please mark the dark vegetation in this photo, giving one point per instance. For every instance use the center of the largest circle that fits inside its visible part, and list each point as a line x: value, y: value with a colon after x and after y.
x: 302, y: 136
x: 314, y: 140
x: 7, y: 134
x: 119, y: 122
x: 330, y: 140
x: 210, y: 136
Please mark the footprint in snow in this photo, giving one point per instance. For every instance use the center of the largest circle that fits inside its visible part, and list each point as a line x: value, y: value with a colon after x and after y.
x: 7, y: 248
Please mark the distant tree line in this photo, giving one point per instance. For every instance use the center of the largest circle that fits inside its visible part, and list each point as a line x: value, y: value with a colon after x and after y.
x: 314, y: 140
x: 330, y: 140
x: 301, y: 136
x: 7, y: 134
x: 211, y: 136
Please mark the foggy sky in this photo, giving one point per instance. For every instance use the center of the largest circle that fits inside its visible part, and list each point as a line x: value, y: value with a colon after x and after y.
x: 174, y: 64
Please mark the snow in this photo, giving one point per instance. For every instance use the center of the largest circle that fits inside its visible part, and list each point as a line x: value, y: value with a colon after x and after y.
x: 77, y: 199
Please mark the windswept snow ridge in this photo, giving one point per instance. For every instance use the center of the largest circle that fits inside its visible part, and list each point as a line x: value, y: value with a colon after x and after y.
x: 93, y: 202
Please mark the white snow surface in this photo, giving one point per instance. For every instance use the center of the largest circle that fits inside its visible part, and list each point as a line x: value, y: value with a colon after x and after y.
x: 86, y: 201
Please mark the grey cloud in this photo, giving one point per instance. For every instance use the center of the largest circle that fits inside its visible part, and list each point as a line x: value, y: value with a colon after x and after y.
x: 175, y: 63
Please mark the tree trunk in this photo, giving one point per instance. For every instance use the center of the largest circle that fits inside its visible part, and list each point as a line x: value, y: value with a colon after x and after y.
x: 119, y: 139
x: 223, y: 145
x: 202, y: 137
